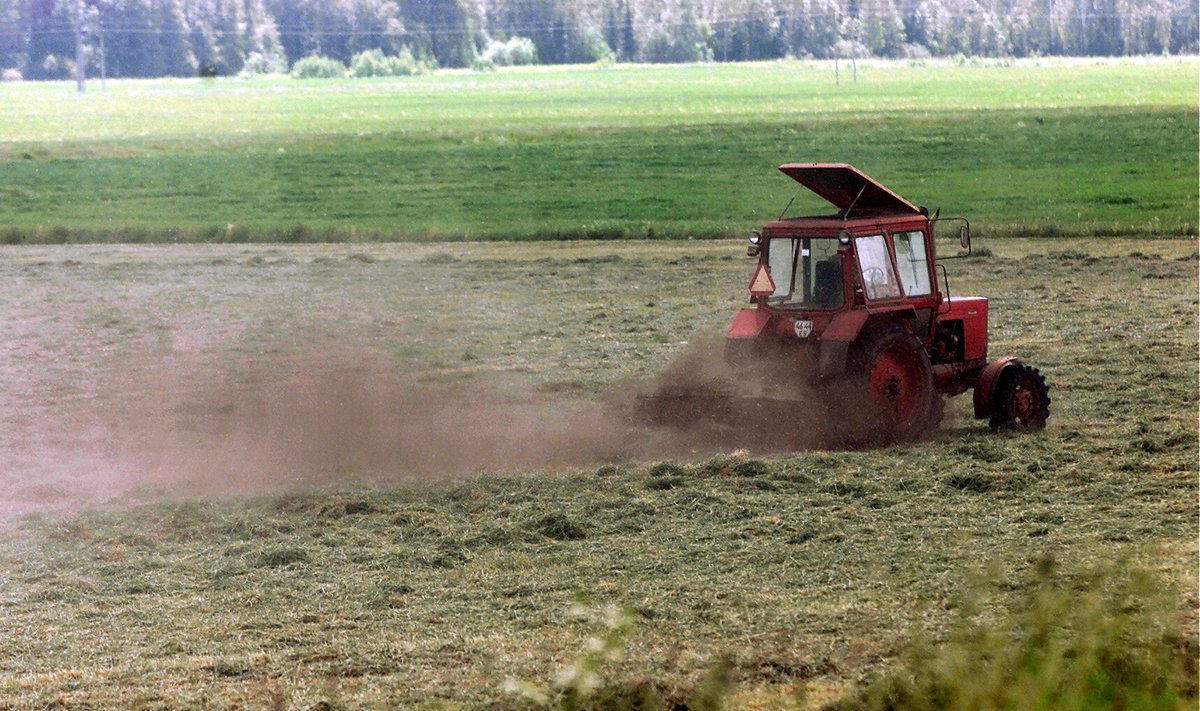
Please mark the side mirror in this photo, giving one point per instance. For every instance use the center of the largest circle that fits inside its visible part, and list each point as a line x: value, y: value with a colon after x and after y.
x: 964, y: 234
x: 755, y: 244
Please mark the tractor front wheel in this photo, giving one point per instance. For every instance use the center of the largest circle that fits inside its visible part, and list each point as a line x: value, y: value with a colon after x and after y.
x: 1022, y: 399
x: 894, y: 369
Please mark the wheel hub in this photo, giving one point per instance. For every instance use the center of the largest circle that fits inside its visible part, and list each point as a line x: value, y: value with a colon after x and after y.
x: 895, y: 385
x: 1025, y: 403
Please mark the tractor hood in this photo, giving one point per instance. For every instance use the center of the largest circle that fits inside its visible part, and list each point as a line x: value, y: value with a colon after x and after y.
x: 848, y: 189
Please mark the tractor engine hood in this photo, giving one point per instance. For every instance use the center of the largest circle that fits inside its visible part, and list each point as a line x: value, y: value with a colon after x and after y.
x: 848, y: 189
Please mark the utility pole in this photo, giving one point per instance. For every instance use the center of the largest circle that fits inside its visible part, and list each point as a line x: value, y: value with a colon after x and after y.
x: 1083, y: 29
x: 103, y: 58
x: 80, y: 61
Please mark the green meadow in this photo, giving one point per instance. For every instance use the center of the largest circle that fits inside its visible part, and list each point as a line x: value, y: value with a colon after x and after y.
x: 1029, y: 148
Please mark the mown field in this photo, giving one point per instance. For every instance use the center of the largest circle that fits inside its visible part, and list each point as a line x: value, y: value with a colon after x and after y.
x: 360, y: 577
x: 1033, y: 148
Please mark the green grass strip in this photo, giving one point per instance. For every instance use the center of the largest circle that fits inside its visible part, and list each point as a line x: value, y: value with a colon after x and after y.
x: 1080, y: 149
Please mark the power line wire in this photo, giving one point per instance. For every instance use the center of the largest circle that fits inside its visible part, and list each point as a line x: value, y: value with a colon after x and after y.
x: 61, y: 26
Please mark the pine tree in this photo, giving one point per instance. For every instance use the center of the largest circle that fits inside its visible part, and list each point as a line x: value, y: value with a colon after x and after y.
x: 442, y: 29
x: 174, y: 48
x: 15, y: 36
x: 882, y: 28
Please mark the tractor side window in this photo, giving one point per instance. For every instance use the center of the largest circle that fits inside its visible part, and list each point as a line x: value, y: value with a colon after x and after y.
x: 878, y: 278
x: 913, y: 262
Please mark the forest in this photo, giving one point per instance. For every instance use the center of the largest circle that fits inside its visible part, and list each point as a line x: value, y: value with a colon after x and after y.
x: 42, y: 39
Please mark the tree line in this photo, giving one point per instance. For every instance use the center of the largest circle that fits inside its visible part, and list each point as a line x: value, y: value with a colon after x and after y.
x: 40, y: 39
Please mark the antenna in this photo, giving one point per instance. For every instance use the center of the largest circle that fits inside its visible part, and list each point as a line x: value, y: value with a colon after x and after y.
x: 785, y: 207
x: 846, y: 214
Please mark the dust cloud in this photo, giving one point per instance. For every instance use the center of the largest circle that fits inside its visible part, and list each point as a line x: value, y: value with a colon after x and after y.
x: 330, y: 416
x: 165, y: 431
x: 335, y: 415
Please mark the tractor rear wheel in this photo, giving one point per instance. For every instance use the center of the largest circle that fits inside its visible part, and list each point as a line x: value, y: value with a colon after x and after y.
x: 894, y: 370
x: 1022, y: 399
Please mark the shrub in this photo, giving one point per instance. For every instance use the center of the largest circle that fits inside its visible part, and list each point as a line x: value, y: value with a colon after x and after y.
x: 258, y: 64
x: 480, y: 64
x: 1106, y: 639
x: 597, y: 47
x: 374, y: 63
x: 318, y: 67
x: 522, y: 51
x: 495, y: 54
x: 54, y: 67
x: 11, y: 75
x: 515, y: 52
x: 370, y: 63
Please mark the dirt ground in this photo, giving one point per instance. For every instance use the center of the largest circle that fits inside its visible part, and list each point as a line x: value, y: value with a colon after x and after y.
x: 137, y: 372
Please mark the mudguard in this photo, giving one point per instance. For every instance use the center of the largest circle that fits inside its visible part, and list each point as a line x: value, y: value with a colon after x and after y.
x: 836, y: 340
x: 833, y: 357
x: 845, y: 326
x: 985, y: 389
x: 748, y: 324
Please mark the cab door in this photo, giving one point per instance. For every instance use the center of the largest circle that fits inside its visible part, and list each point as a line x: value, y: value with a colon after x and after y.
x: 914, y: 268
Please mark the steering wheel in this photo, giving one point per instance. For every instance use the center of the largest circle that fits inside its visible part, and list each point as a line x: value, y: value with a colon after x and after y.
x: 874, y: 275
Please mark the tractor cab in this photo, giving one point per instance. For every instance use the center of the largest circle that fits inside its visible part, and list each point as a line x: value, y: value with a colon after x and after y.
x: 856, y: 295
x: 821, y: 279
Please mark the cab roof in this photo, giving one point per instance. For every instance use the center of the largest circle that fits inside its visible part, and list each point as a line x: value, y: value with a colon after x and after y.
x: 834, y: 225
x: 852, y: 192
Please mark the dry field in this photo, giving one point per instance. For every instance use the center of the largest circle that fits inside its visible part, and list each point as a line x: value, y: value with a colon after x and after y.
x: 317, y: 475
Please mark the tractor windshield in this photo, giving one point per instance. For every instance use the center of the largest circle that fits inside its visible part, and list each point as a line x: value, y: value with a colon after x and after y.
x: 807, y: 272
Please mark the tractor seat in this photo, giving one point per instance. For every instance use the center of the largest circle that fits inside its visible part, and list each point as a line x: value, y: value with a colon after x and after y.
x: 827, y: 283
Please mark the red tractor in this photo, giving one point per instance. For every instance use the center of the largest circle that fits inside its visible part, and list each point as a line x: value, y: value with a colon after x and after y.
x: 848, y: 307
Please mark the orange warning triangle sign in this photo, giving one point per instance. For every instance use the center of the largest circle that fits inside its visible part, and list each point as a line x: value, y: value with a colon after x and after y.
x: 762, y: 284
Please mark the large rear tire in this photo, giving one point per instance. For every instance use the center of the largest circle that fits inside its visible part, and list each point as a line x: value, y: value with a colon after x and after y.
x: 1022, y: 400
x: 893, y: 373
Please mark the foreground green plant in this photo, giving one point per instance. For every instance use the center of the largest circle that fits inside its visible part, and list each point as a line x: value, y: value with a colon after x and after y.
x: 1104, y: 640
x: 590, y: 682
